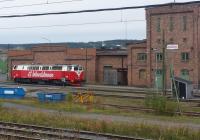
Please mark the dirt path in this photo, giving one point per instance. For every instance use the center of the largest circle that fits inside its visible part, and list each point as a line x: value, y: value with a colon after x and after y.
x: 115, y: 118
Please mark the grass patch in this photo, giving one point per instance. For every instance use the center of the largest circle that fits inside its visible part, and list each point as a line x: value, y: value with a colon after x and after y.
x: 106, y: 126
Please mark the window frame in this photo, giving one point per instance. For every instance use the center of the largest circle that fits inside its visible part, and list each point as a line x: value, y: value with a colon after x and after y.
x: 160, y: 56
x: 185, y: 56
x: 184, y: 25
x: 141, y: 56
x: 142, y: 74
x: 158, y: 25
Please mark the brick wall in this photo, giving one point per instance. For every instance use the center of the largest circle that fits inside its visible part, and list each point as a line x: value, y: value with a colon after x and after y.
x: 135, y: 65
x: 187, y: 40
x: 57, y: 55
x: 117, y: 62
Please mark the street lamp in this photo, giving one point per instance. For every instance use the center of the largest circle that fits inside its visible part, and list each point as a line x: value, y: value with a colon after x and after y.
x: 155, y: 73
x: 46, y: 39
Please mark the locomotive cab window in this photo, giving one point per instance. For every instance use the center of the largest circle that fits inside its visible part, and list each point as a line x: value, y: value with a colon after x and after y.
x: 69, y: 68
x: 80, y: 68
x: 76, y: 68
x: 15, y: 67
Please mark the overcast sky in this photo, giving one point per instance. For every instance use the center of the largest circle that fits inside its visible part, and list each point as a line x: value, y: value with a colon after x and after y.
x: 126, y: 24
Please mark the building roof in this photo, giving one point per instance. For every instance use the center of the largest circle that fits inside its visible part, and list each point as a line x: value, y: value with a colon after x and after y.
x: 173, y: 3
x: 182, y: 80
x: 14, y: 53
x: 112, y: 52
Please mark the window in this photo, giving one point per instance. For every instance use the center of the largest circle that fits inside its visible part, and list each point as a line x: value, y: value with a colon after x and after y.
x: 184, y: 23
x: 57, y: 68
x: 69, y: 68
x: 75, y: 68
x: 185, y: 56
x: 142, y: 74
x: 185, y: 74
x: 159, y: 56
x: 45, y: 68
x: 171, y: 24
x: 15, y: 67
x: 142, y: 56
x: 159, y: 72
x: 158, y: 24
x: 80, y: 68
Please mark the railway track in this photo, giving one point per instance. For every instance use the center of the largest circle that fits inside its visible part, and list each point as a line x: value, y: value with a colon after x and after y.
x: 32, y: 132
x: 103, y: 91
x: 143, y: 109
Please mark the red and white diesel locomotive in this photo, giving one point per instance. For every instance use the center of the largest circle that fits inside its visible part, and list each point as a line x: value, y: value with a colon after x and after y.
x: 56, y: 74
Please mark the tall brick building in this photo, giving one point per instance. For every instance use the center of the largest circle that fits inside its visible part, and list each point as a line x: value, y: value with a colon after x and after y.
x: 167, y: 24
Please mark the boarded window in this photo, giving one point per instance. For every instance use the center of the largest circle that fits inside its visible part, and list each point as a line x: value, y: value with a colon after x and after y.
x: 142, y: 74
x: 184, y: 24
x: 171, y: 24
x: 158, y: 24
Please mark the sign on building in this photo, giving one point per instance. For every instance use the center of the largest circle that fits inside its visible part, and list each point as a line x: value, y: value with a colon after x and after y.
x: 172, y: 46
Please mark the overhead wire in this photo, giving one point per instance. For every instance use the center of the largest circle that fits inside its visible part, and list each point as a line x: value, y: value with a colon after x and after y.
x: 6, y: 0
x: 38, y: 4
x: 87, y: 11
x: 72, y: 24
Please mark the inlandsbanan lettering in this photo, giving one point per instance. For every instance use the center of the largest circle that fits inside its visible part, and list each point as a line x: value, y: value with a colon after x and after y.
x: 42, y: 74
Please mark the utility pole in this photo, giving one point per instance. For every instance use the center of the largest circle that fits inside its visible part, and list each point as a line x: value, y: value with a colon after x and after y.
x: 86, y: 73
x: 163, y: 64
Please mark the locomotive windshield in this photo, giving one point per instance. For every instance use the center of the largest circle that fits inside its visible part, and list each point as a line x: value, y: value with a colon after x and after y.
x: 76, y: 68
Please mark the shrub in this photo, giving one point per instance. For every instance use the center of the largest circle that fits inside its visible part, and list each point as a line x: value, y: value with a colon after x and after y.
x: 160, y: 104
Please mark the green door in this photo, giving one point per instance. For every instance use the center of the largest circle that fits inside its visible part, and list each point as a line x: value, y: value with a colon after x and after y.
x: 185, y: 74
x: 158, y: 79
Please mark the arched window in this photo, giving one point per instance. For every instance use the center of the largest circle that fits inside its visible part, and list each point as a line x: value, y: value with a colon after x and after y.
x: 142, y: 74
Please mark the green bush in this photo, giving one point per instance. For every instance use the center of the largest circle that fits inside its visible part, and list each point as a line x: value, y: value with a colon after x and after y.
x: 160, y: 104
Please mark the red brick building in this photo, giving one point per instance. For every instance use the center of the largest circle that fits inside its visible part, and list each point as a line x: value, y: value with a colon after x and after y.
x: 175, y: 24
x: 96, y: 63
x: 137, y: 64
x: 57, y: 55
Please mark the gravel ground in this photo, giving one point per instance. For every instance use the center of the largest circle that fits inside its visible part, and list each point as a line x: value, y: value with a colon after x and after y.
x: 108, y: 117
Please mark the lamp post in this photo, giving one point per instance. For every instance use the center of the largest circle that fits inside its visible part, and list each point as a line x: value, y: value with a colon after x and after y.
x: 155, y: 74
x: 163, y: 64
x: 86, y: 65
x: 46, y: 39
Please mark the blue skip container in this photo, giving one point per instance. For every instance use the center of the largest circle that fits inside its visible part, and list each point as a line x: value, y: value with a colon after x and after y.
x: 12, y: 93
x: 50, y: 97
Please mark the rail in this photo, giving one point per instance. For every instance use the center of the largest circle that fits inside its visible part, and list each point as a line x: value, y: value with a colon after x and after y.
x: 34, y: 132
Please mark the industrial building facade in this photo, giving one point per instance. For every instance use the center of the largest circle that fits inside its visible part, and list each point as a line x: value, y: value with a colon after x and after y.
x: 103, y: 67
x: 174, y: 24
